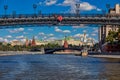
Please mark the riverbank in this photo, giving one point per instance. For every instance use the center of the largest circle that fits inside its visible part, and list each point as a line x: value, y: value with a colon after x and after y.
x: 96, y: 55
x: 74, y: 52
x: 105, y: 56
x: 7, y: 53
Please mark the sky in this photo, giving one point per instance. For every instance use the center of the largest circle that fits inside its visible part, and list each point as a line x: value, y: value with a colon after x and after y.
x: 47, y: 7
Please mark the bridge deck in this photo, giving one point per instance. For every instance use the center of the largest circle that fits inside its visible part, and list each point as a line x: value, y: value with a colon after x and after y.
x: 51, y: 19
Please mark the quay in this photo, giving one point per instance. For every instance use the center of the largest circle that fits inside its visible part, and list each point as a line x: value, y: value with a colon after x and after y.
x: 104, y: 55
x: 9, y: 53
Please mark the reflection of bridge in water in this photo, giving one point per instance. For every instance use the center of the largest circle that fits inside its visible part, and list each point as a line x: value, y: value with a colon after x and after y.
x: 58, y: 19
x: 52, y: 50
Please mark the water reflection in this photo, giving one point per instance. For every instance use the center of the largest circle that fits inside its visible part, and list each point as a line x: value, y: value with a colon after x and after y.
x: 111, y: 70
x: 58, y: 67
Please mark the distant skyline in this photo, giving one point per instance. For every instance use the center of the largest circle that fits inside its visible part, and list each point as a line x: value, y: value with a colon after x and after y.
x: 52, y: 6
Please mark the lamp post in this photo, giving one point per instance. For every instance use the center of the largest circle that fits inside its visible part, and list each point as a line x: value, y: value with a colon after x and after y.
x: 5, y: 8
x: 39, y: 12
x: 14, y: 14
x: 104, y: 11
x: 77, y: 8
x: 108, y: 7
x: 34, y: 7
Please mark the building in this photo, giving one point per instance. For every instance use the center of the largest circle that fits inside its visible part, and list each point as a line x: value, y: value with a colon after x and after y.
x: 115, y: 10
x: 70, y: 41
x: 38, y: 42
x: 74, y: 42
x: 104, y: 30
x: 16, y: 42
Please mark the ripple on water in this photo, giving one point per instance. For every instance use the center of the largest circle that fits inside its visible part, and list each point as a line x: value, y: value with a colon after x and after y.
x: 57, y: 67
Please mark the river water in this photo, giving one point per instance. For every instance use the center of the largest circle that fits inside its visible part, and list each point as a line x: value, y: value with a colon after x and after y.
x: 58, y: 67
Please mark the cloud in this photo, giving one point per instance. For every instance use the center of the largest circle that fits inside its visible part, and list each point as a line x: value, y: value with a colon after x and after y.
x: 78, y: 35
x: 6, y: 40
x: 57, y: 29
x: 50, y: 35
x: 52, y: 38
x: 23, y: 40
x: 14, y: 40
x: 95, y: 31
x: 50, y: 2
x: 30, y: 29
x: 41, y: 34
x: 66, y: 31
x: 8, y: 36
x: 1, y: 39
x: 20, y: 37
x: 84, y: 31
x: 16, y: 30
x: 93, y: 34
x: 47, y: 2
x: 25, y: 33
x: 45, y: 37
x: 84, y: 6
x: 62, y: 31
x: 36, y: 37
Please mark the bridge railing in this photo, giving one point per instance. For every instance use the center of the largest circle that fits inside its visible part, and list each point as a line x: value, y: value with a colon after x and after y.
x: 53, y: 15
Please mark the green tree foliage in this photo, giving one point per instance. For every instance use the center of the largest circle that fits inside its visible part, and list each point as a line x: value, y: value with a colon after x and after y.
x: 9, y: 47
x: 112, y: 36
x: 118, y: 33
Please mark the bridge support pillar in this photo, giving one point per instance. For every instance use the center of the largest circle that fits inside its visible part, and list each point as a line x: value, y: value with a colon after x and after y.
x: 84, y: 54
x: 43, y: 50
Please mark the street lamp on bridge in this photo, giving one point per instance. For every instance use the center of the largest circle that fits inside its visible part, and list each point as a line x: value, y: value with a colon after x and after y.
x: 104, y: 12
x: 5, y: 8
x: 108, y: 7
x: 34, y: 7
x: 77, y: 8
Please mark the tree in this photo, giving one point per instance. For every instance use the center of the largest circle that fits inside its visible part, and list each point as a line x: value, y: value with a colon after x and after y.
x: 112, y: 35
x: 1, y: 43
x: 118, y: 33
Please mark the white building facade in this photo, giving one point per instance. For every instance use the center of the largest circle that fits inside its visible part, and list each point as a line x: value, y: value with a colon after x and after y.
x: 104, y: 30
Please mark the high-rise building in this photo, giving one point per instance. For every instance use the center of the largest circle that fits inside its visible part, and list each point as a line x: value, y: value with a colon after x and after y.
x: 104, y: 30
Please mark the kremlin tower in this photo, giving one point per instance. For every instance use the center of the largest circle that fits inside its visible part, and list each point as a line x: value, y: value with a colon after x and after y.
x: 30, y: 42
x: 65, y: 43
x: 27, y: 42
x: 84, y: 37
x: 33, y: 43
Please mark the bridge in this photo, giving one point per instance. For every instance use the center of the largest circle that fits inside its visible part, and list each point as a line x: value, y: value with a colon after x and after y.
x: 52, y: 50
x: 58, y: 19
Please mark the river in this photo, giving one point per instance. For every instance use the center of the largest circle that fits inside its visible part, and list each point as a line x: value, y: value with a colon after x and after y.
x: 58, y: 67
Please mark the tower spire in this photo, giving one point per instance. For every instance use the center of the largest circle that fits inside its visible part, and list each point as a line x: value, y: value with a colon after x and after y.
x: 33, y: 43
x: 65, y: 42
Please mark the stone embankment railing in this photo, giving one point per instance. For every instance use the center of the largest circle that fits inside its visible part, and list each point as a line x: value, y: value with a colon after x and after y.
x: 5, y: 53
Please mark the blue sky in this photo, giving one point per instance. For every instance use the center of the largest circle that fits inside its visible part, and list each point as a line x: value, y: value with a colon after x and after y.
x: 52, y: 6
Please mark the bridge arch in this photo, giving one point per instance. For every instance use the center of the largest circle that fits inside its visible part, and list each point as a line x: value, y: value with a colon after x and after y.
x: 51, y: 51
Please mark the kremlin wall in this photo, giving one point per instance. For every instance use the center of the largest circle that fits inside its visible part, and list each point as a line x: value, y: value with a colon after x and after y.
x: 62, y: 42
